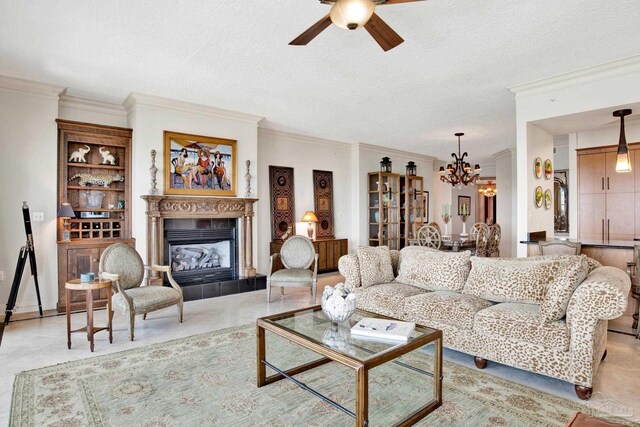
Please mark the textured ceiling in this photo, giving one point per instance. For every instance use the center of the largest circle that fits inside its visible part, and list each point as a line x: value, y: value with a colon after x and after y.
x: 449, y: 75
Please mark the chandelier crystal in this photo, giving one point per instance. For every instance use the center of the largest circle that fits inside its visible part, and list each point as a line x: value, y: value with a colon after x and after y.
x: 488, y: 191
x: 459, y: 172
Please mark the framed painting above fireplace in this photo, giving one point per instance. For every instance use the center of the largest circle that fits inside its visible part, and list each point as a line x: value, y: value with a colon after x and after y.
x: 199, y: 165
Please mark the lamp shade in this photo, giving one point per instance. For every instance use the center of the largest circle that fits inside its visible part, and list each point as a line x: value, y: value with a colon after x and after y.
x: 351, y: 14
x: 66, y: 211
x: 623, y: 161
x: 309, y: 216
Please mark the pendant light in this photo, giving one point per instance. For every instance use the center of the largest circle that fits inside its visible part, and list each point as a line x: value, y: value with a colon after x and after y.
x: 623, y: 163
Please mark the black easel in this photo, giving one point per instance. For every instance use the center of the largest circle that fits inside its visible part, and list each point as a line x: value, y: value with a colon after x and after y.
x: 26, y: 250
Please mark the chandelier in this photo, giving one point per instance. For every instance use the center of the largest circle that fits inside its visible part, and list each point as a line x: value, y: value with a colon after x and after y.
x: 489, y: 191
x: 459, y: 173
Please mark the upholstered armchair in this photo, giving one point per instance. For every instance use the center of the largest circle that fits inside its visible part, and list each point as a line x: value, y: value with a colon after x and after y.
x: 297, y: 254
x: 559, y: 247
x: 133, y: 295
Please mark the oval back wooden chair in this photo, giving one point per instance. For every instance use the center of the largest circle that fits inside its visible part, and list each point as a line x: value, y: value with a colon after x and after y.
x: 429, y: 236
x: 482, y: 241
x: 474, y: 230
x: 297, y: 254
x: 495, y: 234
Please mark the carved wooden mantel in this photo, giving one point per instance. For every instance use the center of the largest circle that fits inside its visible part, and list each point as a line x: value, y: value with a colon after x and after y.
x: 161, y: 207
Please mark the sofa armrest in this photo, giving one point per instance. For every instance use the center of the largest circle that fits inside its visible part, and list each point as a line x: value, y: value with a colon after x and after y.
x: 602, y: 295
x: 349, y: 267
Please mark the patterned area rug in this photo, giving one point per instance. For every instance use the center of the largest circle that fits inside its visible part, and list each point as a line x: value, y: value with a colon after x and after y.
x: 209, y: 380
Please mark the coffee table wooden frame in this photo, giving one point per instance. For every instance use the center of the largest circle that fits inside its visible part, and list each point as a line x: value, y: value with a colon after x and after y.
x: 361, y: 368
x: 88, y: 288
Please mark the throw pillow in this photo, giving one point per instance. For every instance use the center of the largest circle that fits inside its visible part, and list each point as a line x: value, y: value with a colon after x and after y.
x: 522, y: 280
x: 433, y: 270
x: 375, y: 265
x: 571, y: 274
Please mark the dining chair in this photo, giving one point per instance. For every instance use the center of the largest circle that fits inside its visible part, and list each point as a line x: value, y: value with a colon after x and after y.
x: 474, y: 230
x: 436, y: 226
x: 297, y: 254
x: 482, y: 241
x: 559, y: 247
x: 429, y: 236
x: 495, y: 233
x: 134, y: 294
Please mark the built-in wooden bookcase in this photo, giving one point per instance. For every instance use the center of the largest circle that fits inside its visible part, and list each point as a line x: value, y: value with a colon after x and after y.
x: 383, y: 216
x: 97, y: 185
x: 412, y: 214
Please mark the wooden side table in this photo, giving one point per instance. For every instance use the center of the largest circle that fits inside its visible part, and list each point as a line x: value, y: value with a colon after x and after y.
x: 88, y: 288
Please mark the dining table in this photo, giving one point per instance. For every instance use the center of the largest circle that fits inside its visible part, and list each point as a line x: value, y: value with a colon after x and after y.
x: 456, y: 243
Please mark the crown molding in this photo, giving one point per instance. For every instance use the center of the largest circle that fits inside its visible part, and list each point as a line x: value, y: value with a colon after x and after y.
x: 304, y: 138
x: 393, y: 151
x: 28, y: 86
x: 506, y: 152
x: 584, y: 75
x: 84, y: 104
x: 135, y: 99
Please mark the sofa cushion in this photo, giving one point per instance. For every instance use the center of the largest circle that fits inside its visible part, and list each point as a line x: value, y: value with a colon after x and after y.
x: 511, y: 279
x: 521, y: 322
x: 375, y: 265
x: 349, y: 267
x: 448, y: 307
x: 556, y: 299
x: 433, y: 270
x: 387, y: 299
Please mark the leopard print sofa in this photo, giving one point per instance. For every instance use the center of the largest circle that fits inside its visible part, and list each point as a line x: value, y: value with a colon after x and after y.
x: 493, y: 309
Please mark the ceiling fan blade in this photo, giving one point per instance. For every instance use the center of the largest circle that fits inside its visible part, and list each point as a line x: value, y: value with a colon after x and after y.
x: 312, y: 32
x: 382, y: 33
x: 398, y: 2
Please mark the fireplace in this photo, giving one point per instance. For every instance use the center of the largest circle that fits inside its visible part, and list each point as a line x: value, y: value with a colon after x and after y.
x: 201, y: 251
x: 207, y: 242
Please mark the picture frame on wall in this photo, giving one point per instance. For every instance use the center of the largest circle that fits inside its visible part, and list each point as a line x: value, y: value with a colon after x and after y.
x: 323, y: 202
x: 282, y: 202
x: 464, y: 202
x: 199, y: 165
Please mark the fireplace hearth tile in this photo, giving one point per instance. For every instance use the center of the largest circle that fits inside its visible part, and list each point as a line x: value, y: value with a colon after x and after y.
x: 210, y: 290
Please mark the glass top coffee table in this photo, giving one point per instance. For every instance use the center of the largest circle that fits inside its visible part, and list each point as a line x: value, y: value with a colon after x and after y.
x: 309, y: 328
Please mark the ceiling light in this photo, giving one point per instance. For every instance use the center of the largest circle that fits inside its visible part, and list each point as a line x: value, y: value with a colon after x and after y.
x: 459, y: 173
x: 623, y: 163
x: 489, y: 191
x: 351, y: 14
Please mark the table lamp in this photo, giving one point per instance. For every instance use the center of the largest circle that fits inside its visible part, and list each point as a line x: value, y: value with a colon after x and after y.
x: 66, y: 212
x: 310, y: 217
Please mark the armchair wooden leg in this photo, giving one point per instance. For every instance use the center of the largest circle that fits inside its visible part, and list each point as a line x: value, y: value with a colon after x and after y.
x: 583, y: 392
x: 144, y: 316
x: 180, y: 311
x: 281, y: 291
x: 314, y: 287
x: 132, y: 321
x: 268, y: 290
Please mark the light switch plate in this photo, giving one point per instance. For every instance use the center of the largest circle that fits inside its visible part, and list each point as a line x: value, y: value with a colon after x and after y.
x: 38, y: 216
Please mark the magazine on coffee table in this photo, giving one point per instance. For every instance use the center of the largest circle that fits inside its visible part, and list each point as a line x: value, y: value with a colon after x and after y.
x: 386, y: 329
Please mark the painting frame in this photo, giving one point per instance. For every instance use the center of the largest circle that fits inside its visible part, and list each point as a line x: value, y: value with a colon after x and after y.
x: 425, y: 206
x: 282, y: 202
x: 210, y: 158
x: 323, y: 203
x: 462, y: 201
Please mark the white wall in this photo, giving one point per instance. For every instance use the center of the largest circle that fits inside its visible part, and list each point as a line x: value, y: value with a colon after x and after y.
x: 28, y: 148
x: 303, y: 154
x: 506, y: 180
x: 90, y: 111
x: 539, y: 144
x: 150, y: 116
x: 603, y: 86
x: 471, y: 191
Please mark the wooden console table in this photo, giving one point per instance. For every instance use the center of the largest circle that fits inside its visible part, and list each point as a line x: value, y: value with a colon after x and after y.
x: 329, y: 252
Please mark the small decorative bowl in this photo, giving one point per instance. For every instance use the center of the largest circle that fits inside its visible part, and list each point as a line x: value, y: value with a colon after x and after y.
x: 338, y: 303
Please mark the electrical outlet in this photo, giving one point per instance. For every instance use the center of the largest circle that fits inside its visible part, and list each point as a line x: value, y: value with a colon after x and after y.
x: 38, y: 216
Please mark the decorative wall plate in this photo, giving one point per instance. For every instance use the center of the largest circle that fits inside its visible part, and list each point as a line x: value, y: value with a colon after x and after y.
x: 548, y: 169
x: 537, y: 167
x: 548, y: 199
x: 538, y: 196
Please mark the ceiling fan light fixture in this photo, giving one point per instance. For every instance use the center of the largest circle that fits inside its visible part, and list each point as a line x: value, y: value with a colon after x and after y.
x: 351, y: 14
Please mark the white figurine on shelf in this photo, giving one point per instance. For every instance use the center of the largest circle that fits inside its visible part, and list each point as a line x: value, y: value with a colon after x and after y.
x: 106, y: 157
x: 78, y: 155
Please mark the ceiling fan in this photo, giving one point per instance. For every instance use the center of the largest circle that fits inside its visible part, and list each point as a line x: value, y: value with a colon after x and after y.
x: 353, y: 14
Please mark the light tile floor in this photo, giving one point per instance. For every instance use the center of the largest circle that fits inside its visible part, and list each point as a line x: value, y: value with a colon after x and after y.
x: 31, y: 344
